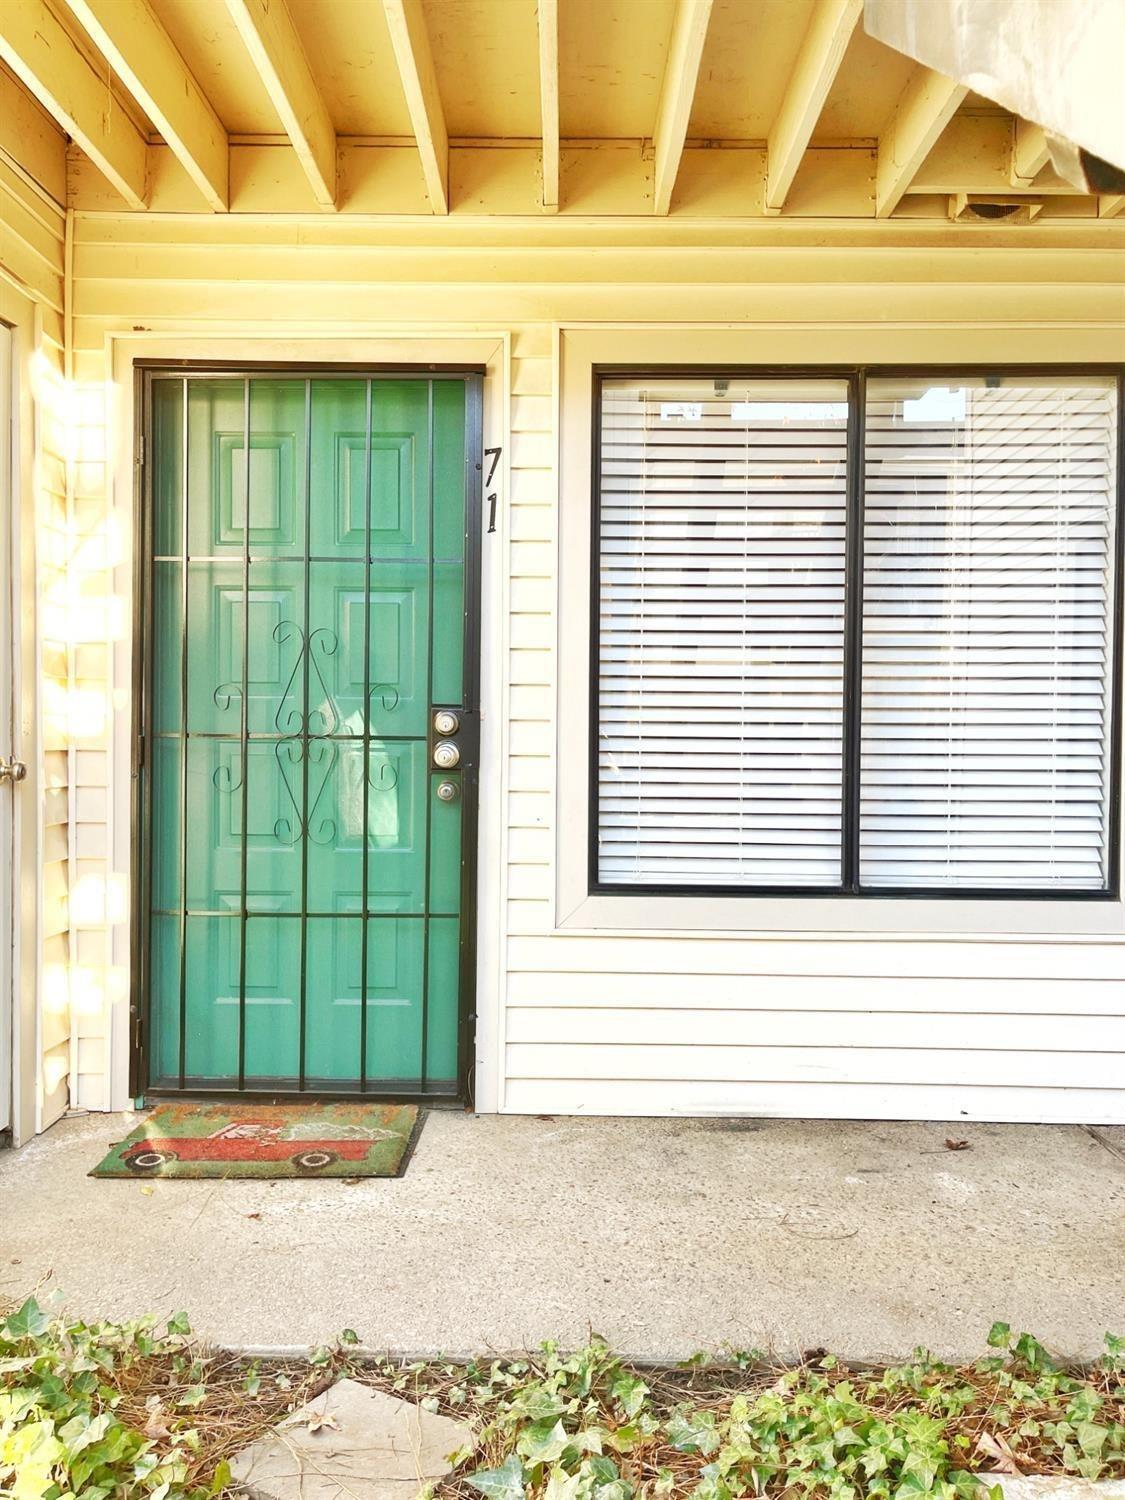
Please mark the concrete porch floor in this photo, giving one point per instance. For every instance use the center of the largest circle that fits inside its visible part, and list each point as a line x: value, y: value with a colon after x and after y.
x: 666, y: 1236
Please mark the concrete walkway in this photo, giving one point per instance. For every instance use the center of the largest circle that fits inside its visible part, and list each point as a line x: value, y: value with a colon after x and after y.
x: 666, y: 1236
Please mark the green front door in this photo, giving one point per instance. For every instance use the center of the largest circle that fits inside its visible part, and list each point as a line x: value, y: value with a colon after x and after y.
x: 307, y: 869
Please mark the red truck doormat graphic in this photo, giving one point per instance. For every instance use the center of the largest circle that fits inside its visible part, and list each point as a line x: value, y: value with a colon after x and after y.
x: 298, y: 1140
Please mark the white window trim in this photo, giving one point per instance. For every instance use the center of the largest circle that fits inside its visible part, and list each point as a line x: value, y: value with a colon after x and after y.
x: 580, y: 349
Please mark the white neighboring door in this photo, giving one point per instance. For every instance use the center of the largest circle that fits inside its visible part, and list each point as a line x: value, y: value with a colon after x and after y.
x: 8, y: 882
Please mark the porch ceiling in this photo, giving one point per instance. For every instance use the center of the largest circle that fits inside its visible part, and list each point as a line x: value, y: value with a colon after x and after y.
x: 721, y: 108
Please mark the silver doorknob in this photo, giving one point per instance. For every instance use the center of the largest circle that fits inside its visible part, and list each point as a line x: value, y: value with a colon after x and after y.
x: 12, y: 770
x: 447, y: 791
x: 446, y: 755
x: 446, y: 721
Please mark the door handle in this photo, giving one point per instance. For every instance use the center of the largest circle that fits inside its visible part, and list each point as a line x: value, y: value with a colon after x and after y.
x: 12, y: 770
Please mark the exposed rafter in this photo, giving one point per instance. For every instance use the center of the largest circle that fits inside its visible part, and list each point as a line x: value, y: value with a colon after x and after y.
x: 267, y: 29
x: 1110, y: 205
x: 145, y: 59
x: 928, y: 103
x: 681, y: 73
x: 1029, y: 151
x: 43, y: 56
x: 419, y: 83
x: 830, y: 30
x: 548, y: 18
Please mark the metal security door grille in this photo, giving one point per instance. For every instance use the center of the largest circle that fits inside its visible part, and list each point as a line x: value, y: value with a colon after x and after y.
x: 310, y: 599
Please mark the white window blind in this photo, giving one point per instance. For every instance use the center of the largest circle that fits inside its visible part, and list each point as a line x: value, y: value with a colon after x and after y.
x: 722, y: 520
x: 978, y: 753
x: 988, y: 588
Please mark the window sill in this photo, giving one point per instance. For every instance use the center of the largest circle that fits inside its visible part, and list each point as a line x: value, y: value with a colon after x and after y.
x: 845, y: 916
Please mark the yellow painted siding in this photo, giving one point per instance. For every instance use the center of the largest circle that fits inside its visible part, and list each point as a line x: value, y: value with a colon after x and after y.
x: 662, y: 1022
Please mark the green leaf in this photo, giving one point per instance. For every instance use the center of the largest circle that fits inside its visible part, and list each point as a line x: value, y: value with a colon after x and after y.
x: 221, y: 1478
x: 604, y: 1470
x: 692, y: 1432
x: 562, y: 1486
x: 178, y: 1324
x: 30, y: 1322
x: 82, y: 1431
x: 538, y: 1404
x: 999, y: 1336
x: 1033, y: 1354
x: 1091, y: 1438
x: 543, y: 1442
x: 629, y: 1391
x: 349, y: 1336
x: 504, y: 1483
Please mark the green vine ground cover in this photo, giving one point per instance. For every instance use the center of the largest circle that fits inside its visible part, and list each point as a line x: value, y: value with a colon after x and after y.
x: 98, y: 1411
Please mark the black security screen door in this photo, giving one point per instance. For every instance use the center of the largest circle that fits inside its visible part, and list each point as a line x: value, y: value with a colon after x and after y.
x: 309, y: 731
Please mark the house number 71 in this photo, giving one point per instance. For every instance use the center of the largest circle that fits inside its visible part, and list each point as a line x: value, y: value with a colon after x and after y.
x: 494, y: 455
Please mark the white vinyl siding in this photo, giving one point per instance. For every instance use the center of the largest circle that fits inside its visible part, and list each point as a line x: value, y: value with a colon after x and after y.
x: 984, y: 628
x: 988, y: 548
x: 722, y: 554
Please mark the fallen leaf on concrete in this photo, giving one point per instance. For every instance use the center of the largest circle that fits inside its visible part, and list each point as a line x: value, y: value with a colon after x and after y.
x: 252, y: 1216
x: 951, y: 1145
x: 322, y: 1419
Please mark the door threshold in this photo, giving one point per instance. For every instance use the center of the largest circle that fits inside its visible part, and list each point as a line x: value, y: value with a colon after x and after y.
x: 200, y: 1093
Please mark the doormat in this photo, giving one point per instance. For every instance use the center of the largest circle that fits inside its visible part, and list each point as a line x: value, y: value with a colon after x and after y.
x: 277, y: 1140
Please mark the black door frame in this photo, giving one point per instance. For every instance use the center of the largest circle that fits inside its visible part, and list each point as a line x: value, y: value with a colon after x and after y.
x: 144, y: 373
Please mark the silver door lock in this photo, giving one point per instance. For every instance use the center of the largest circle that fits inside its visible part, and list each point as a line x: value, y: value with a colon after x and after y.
x: 12, y: 770
x: 446, y: 721
x: 447, y: 791
x: 446, y: 755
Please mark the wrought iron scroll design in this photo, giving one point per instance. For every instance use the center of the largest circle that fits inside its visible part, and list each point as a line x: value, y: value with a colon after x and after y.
x: 319, y: 752
x: 290, y: 720
x: 308, y: 736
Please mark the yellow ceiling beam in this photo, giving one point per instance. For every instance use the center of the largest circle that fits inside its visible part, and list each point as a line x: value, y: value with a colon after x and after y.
x: 43, y: 57
x: 271, y: 39
x: 822, y: 51
x: 1029, y: 151
x: 411, y: 45
x: 144, y: 57
x: 677, y: 93
x: 928, y: 103
x: 1110, y: 205
x: 548, y: 21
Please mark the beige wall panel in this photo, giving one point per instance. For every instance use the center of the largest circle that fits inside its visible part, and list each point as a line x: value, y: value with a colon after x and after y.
x: 973, y: 293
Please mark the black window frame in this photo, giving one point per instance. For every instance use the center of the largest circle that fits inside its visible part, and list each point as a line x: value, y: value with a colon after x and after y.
x: 856, y: 377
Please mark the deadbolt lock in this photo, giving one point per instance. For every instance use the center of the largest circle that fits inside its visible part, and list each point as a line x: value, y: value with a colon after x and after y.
x: 447, y: 791
x: 446, y: 755
x: 446, y: 721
